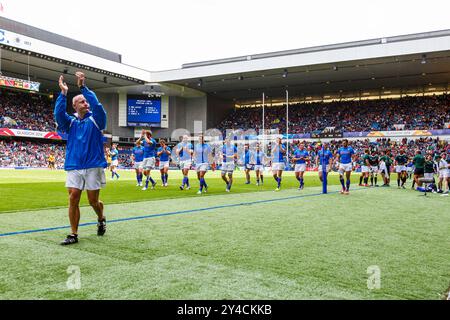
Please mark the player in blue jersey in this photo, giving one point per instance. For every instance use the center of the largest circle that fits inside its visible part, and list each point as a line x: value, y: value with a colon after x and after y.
x: 248, y: 165
x: 202, y: 157
x: 300, y: 157
x: 259, y: 159
x: 149, y: 145
x: 138, y: 159
x: 184, y: 152
x: 85, y: 157
x: 229, y: 154
x: 345, y: 155
x: 324, y: 157
x: 164, y: 153
x: 278, y: 164
x: 114, y: 154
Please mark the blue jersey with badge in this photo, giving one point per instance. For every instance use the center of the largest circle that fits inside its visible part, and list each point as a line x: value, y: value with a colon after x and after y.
x: 114, y: 154
x: 138, y: 153
x: 229, y: 150
x: 325, y: 156
x: 345, y: 155
x: 278, y: 153
x: 259, y: 157
x: 185, y: 148
x: 202, y: 152
x: 163, y: 156
x: 149, y: 148
x: 300, y: 154
x: 247, y: 156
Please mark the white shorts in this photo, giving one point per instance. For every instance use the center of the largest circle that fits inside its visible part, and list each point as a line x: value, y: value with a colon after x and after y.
x: 345, y: 167
x: 201, y: 167
x: 277, y: 166
x: 364, y: 169
x: 259, y: 167
x: 428, y: 175
x: 148, y: 163
x: 227, y: 167
x: 301, y: 167
x: 163, y: 164
x: 139, y: 165
x: 399, y: 169
x: 374, y: 169
x: 327, y: 168
x: 186, y: 164
x: 248, y: 166
x: 409, y: 169
x: 444, y: 173
x: 115, y: 163
x: 86, y: 179
x: 383, y: 169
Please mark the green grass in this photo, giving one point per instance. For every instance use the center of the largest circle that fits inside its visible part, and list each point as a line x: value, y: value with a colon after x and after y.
x: 314, y: 247
x: 40, y: 189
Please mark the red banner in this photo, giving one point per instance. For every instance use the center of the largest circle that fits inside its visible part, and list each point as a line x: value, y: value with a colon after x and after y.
x: 29, y: 133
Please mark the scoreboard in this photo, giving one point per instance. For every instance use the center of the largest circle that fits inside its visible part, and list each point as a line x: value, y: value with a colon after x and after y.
x: 143, y: 111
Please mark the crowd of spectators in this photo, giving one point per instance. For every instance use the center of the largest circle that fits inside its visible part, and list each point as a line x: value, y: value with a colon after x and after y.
x: 34, y: 112
x: 17, y: 153
x: 28, y: 111
x: 407, y: 113
x: 20, y: 110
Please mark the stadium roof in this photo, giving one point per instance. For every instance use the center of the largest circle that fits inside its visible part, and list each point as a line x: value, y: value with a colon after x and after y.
x: 42, y: 56
x: 412, y: 63
x: 57, y: 39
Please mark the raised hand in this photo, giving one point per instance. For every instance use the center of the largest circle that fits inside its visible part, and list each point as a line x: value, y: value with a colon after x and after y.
x: 80, y: 78
x: 62, y: 85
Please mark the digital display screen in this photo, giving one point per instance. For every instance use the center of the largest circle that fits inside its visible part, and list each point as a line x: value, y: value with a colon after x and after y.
x: 143, y: 111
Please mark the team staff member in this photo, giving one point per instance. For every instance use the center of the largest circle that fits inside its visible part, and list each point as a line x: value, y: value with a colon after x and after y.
x: 51, y: 161
x: 85, y: 158
x: 108, y: 158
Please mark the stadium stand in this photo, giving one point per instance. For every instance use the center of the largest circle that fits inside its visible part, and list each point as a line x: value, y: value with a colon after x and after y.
x: 32, y: 154
x: 27, y: 111
x: 21, y: 110
x: 411, y: 113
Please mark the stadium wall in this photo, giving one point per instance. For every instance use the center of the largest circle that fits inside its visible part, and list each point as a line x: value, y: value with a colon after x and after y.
x: 196, y: 110
x: 217, y: 110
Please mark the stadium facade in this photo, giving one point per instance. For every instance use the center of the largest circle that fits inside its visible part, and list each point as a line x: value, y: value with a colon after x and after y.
x: 199, y: 95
